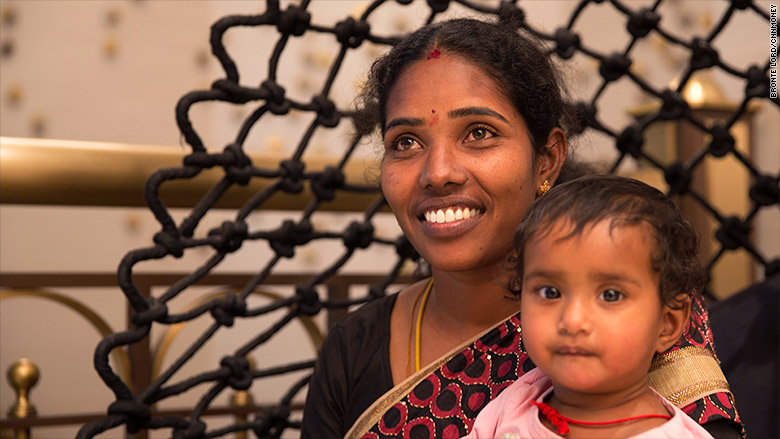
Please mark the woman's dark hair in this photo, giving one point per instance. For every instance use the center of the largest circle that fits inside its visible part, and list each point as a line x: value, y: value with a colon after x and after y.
x: 515, y: 59
x: 622, y: 201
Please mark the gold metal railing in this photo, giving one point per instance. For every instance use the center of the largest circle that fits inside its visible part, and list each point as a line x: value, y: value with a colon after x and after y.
x: 142, y: 356
x: 78, y: 173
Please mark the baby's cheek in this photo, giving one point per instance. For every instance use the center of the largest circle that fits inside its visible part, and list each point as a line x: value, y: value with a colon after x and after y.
x: 533, y: 336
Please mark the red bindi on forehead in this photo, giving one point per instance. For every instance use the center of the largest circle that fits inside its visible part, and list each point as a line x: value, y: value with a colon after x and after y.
x: 435, y: 54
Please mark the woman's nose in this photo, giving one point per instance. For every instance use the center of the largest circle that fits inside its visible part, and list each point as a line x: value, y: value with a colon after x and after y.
x: 574, y: 318
x: 443, y: 168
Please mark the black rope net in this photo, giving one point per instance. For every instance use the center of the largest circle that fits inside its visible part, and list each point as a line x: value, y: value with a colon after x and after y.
x: 134, y: 410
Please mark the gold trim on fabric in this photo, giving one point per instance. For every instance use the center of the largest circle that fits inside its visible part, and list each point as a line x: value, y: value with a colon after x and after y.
x: 374, y: 413
x: 686, y: 375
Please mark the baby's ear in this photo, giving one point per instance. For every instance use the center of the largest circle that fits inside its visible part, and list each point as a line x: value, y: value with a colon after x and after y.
x: 673, y: 322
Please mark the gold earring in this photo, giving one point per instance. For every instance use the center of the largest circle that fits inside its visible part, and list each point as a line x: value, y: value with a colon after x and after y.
x: 544, y: 188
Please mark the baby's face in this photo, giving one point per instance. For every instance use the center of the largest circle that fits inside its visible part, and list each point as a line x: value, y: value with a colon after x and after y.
x: 591, y: 310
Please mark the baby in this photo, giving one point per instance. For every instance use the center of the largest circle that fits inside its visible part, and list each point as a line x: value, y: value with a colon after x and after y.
x: 607, y: 267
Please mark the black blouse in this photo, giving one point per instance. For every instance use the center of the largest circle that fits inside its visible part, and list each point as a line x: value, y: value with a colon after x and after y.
x: 352, y: 372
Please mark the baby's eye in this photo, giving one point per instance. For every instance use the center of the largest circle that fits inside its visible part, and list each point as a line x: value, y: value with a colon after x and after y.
x: 404, y: 143
x: 479, y: 133
x: 548, y: 293
x: 611, y: 295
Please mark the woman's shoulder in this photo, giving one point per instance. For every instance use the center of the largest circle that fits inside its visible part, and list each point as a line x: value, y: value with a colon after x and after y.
x: 372, y: 315
x: 362, y: 332
x: 375, y: 315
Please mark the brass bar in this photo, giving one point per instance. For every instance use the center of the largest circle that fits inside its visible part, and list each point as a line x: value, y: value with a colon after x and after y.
x: 80, y: 173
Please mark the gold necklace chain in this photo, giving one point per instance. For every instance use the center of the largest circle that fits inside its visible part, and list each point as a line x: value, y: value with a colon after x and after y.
x: 417, y: 325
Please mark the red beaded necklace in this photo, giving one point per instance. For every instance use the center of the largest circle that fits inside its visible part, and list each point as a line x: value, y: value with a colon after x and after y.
x: 561, y: 422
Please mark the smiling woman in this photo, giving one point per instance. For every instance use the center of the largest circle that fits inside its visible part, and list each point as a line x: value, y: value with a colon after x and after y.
x: 477, y: 158
x: 471, y: 136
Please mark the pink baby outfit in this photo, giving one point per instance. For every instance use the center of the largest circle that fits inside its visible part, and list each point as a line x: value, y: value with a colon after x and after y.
x: 511, y: 415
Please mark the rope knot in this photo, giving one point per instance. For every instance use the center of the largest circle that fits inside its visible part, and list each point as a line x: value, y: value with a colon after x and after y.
x: 308, y: 300
x: 274, y: 96
x: 285, y: 238
x: 509, y: 13
x: 292, y: 180
x: 722, y: 141
x: 227, y: 308
x: 757, y: 84
x: 765, y: 191
x: 584, y: 115
x: 674, y: 106
x: 194, y: 430
x: 733, y: 233
x: 439, y: 6
x: 614, y: 66
x: 156, y: 312
x: 228, y: 237
x: 630, y: 141
x: 239, y: 375
x: 566, y: 43
x: 358, y: 235
x: 294, y: 20
x: 171, y: 240
x: 327, y: 115
x: 239, y: 165
x: 270, y: 419
x: 678, y: 178
x: 405, y: 249
x: 351, y: 32
x: 702, y: 54
x: 642, y: 22
x: 138, y: 414
x: 235, y: 156
x: 325, y: 183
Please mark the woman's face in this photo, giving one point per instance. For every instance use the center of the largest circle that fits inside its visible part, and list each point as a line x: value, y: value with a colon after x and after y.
x: 458, y: 167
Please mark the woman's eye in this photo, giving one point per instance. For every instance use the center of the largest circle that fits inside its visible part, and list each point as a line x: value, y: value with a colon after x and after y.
x: 405, y: 144
x: 479, y: 133
x: 611, y: 295
x: 548, y: 292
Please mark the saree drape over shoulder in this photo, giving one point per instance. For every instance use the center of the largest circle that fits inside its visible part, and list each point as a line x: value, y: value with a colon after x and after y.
x: 443, y: 399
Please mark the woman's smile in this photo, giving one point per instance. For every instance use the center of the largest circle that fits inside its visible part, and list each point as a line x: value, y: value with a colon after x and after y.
x: 451, y: 214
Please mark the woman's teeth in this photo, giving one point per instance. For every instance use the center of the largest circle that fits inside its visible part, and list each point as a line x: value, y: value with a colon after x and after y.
x: 449, y: 215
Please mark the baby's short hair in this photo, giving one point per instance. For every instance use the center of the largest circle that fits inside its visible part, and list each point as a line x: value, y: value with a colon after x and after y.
x: 622, y: 201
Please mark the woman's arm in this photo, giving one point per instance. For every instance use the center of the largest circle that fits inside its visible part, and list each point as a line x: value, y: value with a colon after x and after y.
x: 723, y: 429
x: 689, y: 376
